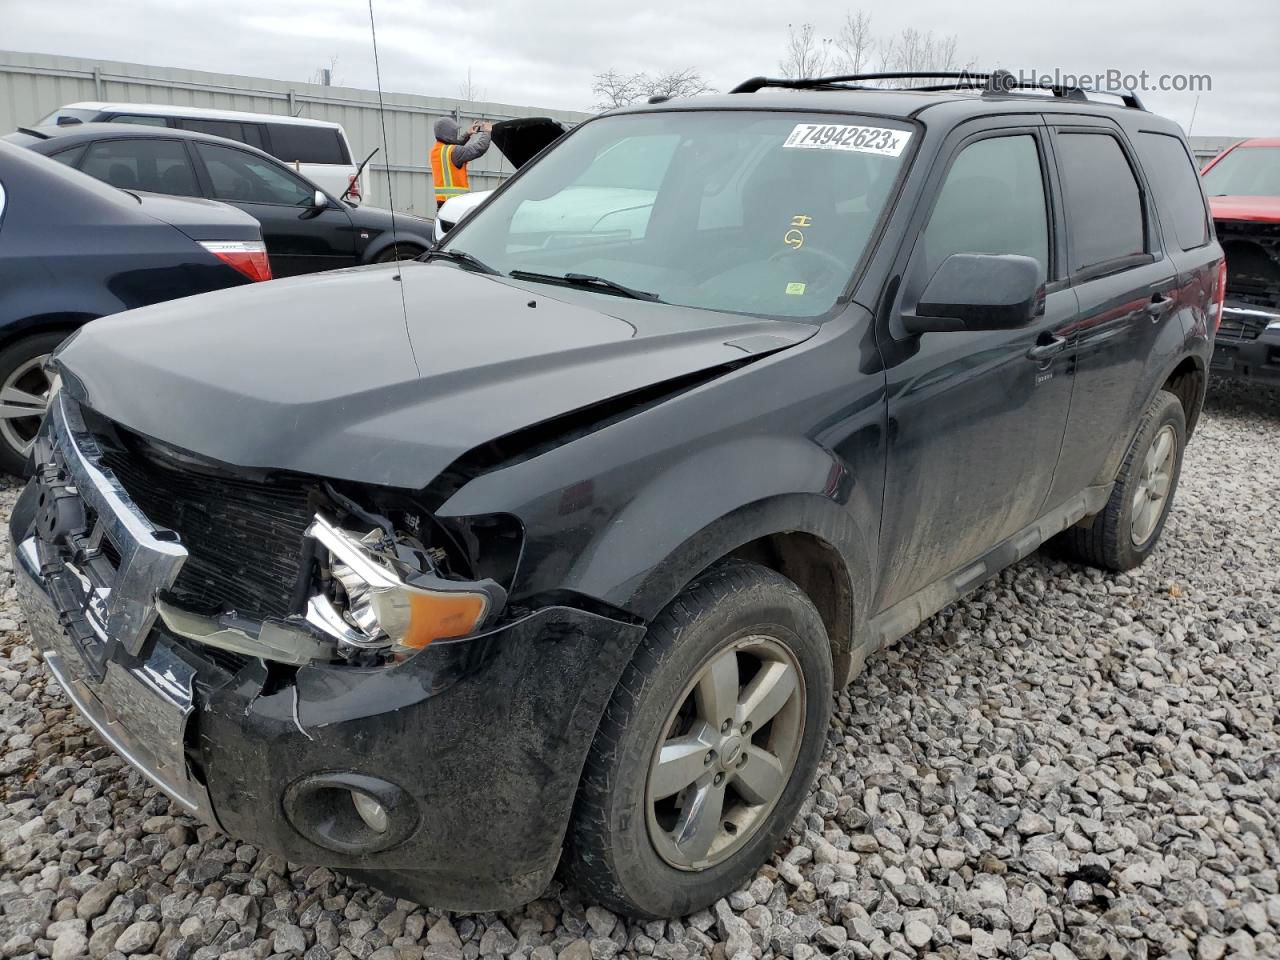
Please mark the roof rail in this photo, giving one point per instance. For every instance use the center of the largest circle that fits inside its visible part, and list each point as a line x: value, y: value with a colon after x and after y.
x: 996, y: 84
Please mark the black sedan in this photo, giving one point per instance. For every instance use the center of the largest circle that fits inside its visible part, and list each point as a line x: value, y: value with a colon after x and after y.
x: 306, y: 229
x: 72, y: 249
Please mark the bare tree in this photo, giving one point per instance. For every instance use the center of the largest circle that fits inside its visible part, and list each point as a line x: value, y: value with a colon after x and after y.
x: 807, y: 54
x: 855, y: 43
x: 613, y: 89
x: 469, y: 90
x: 856, y: 49
x: 688, y: 82
x: 916, y: 51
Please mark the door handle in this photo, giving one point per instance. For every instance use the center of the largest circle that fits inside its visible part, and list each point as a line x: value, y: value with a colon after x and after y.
x: 1047, y: 349
x: 1159, y: 306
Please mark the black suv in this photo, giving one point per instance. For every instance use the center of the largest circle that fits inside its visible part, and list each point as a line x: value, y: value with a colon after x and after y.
x: 551, y: 547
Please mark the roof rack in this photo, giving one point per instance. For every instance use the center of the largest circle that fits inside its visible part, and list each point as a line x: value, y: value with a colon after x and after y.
x: 998, y: 83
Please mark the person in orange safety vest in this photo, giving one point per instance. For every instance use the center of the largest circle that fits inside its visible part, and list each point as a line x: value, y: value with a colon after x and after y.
x: 451, y: 154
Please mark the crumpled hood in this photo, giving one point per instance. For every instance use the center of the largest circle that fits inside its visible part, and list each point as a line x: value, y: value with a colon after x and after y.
x: 324, y: 374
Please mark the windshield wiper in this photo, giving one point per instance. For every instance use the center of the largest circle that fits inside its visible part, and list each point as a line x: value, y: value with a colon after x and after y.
x: 588, y: 281
x: 462, y: 257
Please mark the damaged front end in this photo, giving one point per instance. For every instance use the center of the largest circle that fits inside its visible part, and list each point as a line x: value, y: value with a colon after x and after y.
x: 330, y: 672
x: 374, y: 594
x: 1247, y: 345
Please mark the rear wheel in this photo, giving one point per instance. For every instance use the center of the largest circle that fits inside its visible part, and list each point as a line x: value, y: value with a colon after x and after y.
x: 24, y: 395
x: 708, y: 747
x: 1128, y: 529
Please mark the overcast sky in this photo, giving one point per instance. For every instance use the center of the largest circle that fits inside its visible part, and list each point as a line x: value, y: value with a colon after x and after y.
x: 545, y: 54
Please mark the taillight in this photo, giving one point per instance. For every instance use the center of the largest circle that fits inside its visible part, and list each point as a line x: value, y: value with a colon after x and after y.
x: 1219, y: 295
x: 247, y: 256
x: 353, y: 188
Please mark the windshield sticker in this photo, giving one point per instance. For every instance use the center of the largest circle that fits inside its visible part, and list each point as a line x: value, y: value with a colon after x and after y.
x: 795, y: 289
x: 837, y: 136
x: 794, y: 237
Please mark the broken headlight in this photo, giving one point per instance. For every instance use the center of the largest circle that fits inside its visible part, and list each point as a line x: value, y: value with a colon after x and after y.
x: 383, y: 592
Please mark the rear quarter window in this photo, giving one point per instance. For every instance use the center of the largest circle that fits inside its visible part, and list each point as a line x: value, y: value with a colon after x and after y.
x: 1105, y: 219
x: 1173, y: 174
x: 296, y: 143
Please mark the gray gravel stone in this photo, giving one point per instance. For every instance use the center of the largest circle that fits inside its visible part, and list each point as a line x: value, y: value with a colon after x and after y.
x: 138, y: 937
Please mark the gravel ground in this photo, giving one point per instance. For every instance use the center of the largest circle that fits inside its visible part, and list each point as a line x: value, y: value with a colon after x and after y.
x: 1064, y: 765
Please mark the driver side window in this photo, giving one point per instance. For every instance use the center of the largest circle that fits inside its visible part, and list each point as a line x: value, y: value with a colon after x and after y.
x: 992, y: 201
x: 241, y: 177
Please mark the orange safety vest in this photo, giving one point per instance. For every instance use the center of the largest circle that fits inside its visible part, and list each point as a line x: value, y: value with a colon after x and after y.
x: 449, y: 180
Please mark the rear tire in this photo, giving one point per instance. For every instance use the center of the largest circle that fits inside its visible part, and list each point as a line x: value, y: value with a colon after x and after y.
x: 23, y: 395
x: 740, y: 642
x: 1129, y: 527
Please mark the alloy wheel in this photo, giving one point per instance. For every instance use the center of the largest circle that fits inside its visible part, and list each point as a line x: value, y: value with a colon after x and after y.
x: 726, y: 754
x: 1152, y: 493
x: 24, y: 396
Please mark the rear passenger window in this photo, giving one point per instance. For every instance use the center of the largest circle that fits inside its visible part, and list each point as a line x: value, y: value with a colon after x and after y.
x: 1103, y: 203
x: 157, y: 166
x: 1174, y: 176
x: 297, y: 143
x: 993, y: 201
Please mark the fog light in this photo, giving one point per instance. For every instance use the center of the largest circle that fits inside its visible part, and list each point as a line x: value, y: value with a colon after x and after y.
x: 371, y: 811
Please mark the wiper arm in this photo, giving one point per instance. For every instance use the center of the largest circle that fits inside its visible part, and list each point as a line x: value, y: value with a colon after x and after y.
x: 589, y: 281
x: 462, y: 257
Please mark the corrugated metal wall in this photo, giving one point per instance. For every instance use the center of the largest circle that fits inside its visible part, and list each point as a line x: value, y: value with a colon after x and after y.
x: 1206, y: 148
x: 33, y: 85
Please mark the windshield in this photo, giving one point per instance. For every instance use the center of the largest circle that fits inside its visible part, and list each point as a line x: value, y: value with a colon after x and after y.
x: 1245, y: 172
x: 764, y: 213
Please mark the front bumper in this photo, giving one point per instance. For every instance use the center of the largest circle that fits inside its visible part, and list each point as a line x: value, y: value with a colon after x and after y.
x: 1247, y: 346
x: 484, y: 738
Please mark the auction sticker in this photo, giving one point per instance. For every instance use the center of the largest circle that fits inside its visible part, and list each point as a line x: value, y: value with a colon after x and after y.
x: 838, y: 136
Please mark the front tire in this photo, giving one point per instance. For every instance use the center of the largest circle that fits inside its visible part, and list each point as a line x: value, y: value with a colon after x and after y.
x: 24, y: 395
x: 400, y: 251
x: 708, y: 748
x: 1129, y: 527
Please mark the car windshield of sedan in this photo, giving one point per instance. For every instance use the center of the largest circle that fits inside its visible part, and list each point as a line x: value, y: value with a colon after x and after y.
x: 1245, y: 172
x: 735, y: 210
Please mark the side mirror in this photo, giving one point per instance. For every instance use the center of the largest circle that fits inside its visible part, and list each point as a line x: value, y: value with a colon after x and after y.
x: 980, y: 291
x: 320, y: 200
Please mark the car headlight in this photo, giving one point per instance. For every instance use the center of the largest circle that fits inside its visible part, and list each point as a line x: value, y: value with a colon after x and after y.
x: 388, y: 604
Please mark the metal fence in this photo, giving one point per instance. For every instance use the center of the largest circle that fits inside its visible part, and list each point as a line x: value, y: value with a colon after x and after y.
x: 32, y: 85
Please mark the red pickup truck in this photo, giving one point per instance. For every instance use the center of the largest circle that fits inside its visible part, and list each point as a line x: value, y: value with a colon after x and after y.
x: 1243, y: 184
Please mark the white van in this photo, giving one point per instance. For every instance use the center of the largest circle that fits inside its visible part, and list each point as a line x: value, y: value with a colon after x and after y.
x: 318, y: 149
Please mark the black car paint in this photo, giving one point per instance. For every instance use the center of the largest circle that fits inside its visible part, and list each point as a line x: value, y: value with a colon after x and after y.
x: 393, y: 400
x: 299, y: 240
x: 72, y: 249
x: 851, y: 443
